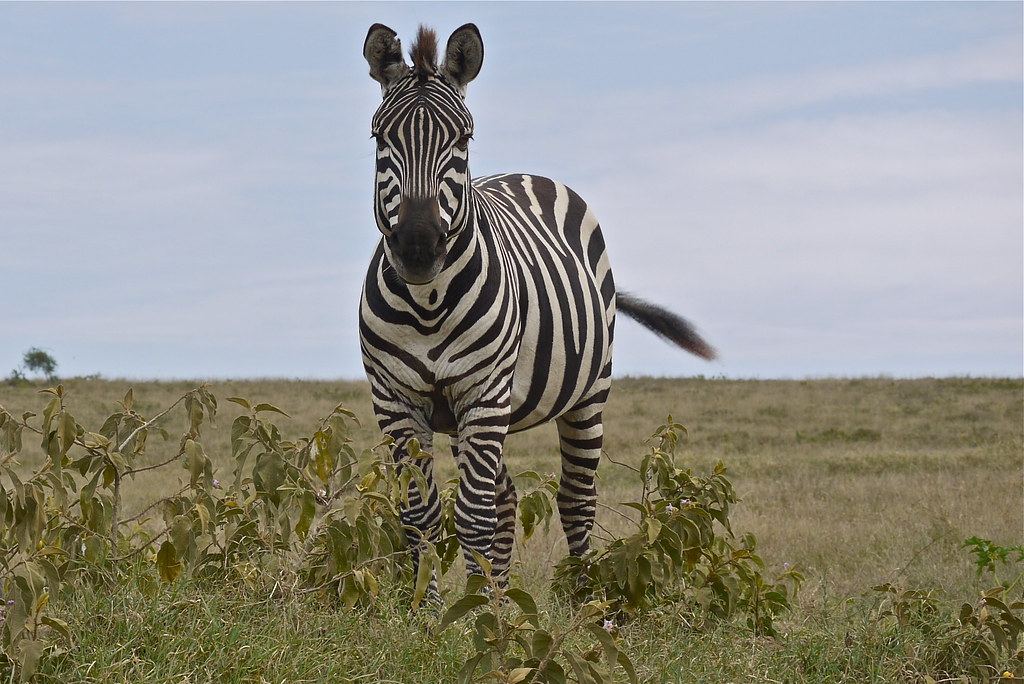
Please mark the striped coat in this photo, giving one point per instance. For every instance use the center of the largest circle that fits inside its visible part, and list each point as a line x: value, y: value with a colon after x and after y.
x: 488, y: 307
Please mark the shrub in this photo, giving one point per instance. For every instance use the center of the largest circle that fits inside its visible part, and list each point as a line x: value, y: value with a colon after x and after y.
x: 313, y: 514
x: 983, y: 639
x: 682, y: 550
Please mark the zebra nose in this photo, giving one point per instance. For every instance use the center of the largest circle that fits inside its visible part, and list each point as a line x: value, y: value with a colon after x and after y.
x: 419, y: 211
x: 417, y: 241
x: 417, y: 244
x: 419, y: 229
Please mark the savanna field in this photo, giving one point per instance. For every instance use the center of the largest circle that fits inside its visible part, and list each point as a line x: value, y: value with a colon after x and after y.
x: 867, y: 487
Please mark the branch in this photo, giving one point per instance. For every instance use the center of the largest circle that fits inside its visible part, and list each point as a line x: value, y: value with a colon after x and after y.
x: 616, y: 511
x: 620, y: 463
x: 155, y: 504
x: 143, y: 547
x: 172, y: 459
x: 153, y: 420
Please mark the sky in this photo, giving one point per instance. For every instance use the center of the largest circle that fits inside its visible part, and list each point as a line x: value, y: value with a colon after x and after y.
x: 823, y: 189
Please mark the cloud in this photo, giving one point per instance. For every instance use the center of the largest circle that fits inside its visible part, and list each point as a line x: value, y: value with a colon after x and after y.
x: 801, y: 236
x: 995, y: 61
x: 858, y: 243
x: 934, y: 188
x: 207, y: 206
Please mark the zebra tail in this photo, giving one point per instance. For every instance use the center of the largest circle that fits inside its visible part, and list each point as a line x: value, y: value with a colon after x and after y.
x: 664, y: 323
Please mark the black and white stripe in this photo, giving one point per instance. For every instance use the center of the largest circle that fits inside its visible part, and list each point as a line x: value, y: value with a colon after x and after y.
x: 488, y: 307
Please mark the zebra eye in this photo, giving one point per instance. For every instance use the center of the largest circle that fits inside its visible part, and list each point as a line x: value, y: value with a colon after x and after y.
x: 463, y: 142
x: 381, y: 143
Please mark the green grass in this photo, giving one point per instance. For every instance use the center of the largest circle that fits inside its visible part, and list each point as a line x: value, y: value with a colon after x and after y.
x: 194, y: 632
x: 198, y: 632
x: 857, y: 481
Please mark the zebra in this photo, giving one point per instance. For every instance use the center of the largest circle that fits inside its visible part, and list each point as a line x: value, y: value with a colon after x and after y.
x: 488, y: 307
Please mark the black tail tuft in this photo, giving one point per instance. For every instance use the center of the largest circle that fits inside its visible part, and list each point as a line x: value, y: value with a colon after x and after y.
x: 664, y: 323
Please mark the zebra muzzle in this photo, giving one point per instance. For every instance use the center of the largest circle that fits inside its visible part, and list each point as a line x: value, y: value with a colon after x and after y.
x: 417, y: 243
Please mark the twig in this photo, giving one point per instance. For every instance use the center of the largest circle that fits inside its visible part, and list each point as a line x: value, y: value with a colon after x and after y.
x: 616, y: 511
x: 172, y: 459
x: 556, y: 645
x: 143, y: 547
x: 115, y: 521
x: 154, y: 505
x: 115, y: 511
x: 917, y: 554
x: 609, y: 537
x: 620, y: 463
x: 152, y: 420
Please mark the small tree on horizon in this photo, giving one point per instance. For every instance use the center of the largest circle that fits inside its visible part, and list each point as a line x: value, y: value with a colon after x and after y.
x: 39, y: 361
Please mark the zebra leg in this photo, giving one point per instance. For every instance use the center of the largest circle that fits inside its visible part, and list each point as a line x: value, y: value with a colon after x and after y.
x: 476, y: 507
x: 505, y: 501
x: 580, y: 434
x: 422, y: 515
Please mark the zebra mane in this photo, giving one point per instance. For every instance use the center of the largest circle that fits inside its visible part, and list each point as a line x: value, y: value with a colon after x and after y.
x: 424, y: 53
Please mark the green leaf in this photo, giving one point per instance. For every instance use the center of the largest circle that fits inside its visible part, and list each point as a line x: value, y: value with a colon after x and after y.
x: 58, y: 625
x: 653, y: 529
x: 579, y: 667
x: 323, y: 458
x: 519, y: 674
x: 29, y: 652
x: 522, y: 599
x: 95, y: 550
x: 241, y: 402
x: 635, y: 506
x: 424, y: 573
x: 269, y: 472
x: 540, y: 643
x: 475, y: 584
x: 593, y: 610
x: 626, y: 664
x: 167, y: 562
x: 460, y: 608
x: 553, y: 673
x: 195, y: 461
x: 67, y: 431
x: 181, y: 534
x: 204, y: 515
x: 269, y: 407
x: 350, y: 592
x: 607, y: 641
x: 466, y: 673
x: 93, y: 440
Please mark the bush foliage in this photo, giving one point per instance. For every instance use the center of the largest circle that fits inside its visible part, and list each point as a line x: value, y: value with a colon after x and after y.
x: 316, y: 514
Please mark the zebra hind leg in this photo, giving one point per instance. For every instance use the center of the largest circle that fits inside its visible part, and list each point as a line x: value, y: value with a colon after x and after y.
x: 581, y: 435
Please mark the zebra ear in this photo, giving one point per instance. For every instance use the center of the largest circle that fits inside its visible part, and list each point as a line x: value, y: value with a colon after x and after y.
x: 463, y: 56
x: 383, y: 52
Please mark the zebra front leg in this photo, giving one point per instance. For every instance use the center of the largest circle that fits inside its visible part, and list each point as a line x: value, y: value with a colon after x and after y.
x: 581, y: 435
x: 476, y: 517
x: 505, y: 502
x: 421, y: 516
x: 476, y: 507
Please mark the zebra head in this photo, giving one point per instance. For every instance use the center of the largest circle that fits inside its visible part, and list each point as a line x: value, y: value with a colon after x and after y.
x: 422, y: 129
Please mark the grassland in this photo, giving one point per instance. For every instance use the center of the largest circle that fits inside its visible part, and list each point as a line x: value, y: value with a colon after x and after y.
x: 857, y: 481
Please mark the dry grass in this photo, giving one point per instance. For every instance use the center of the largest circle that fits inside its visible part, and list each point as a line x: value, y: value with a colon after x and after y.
x: 858, y: 481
